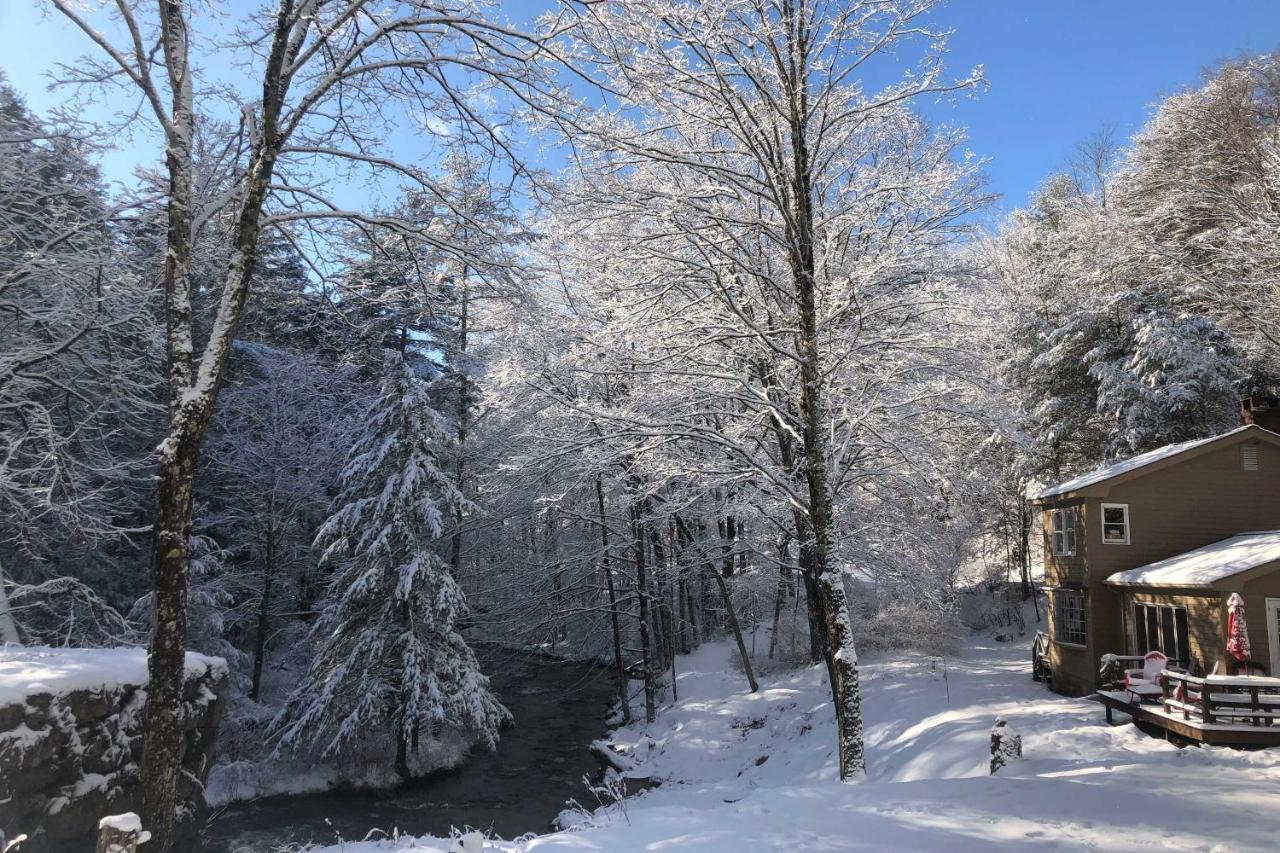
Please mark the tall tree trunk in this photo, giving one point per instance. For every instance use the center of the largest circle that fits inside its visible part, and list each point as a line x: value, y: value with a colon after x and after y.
x: 839, y: 652
x: 732, y: 617
x: 682, y: 602
x: 781, y: 594
x: 464, y: 414
x: 192, y: 394
x: 642, y: 596
x: 264, y: 613
x: 661, y: 579
x: 615, y: 621
x: 8, y: 628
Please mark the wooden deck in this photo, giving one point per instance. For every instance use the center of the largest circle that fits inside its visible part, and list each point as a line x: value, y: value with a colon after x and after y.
x: 1230, y: 722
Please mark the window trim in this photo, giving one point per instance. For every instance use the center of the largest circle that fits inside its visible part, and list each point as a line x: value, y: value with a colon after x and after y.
x: 1103, y: 521
x: 1157, y: 605
x: 1084, y: 618
x: 1070, y: 534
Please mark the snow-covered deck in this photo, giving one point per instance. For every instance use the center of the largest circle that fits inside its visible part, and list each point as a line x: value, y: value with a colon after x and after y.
x: 1239, y: 711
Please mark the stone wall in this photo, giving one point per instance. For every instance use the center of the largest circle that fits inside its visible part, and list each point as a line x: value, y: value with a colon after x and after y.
x: 70, y: 749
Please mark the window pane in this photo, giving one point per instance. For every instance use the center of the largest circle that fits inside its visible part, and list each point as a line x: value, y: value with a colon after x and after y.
x: 1153, y: 631
x: 1113, y: 515
x: 1184, y: 642
x: 1168, y: 636
x: 1139, y: 628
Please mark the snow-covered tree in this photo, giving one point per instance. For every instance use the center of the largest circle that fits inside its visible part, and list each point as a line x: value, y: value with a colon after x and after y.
x: 780, y: 211
x: 389, y: 655
x: 325, y: 78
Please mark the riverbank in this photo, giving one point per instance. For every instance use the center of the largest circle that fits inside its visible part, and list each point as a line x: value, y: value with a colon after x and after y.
x: 757, y: 771
x: 559, y: 707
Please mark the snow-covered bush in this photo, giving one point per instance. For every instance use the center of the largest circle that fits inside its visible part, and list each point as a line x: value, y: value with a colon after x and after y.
x: 905, y: 625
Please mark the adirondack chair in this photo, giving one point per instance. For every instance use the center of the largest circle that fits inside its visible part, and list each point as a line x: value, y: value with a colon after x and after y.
x: 1144, y: 684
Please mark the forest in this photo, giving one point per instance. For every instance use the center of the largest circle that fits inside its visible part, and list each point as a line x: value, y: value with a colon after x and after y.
x: 346, y: 383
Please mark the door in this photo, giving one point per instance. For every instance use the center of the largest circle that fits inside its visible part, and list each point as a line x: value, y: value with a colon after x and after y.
x: 1273, y: 633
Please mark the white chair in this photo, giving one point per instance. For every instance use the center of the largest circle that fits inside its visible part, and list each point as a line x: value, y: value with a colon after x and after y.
x: 1145, y: 684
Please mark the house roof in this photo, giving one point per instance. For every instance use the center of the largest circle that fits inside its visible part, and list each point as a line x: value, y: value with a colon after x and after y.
x: 1135, y: 464
x: 1207, y: 566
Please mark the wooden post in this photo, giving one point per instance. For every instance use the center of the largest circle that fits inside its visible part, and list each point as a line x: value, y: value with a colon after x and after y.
x: 1205, y: 705
x: 121, y: 834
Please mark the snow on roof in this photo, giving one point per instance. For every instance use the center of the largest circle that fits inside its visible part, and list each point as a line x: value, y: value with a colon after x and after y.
x: 1208, y: 565
x: 27, y: 670
x: 1124, y: 466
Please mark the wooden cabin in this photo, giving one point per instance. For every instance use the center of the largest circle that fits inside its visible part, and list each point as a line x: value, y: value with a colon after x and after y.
x: 1141, y: 555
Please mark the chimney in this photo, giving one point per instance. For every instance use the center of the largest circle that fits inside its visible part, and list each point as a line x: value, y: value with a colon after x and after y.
x: 1261, y: 410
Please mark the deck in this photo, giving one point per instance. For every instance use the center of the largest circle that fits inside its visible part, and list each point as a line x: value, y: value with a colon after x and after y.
x: 1239, y: 711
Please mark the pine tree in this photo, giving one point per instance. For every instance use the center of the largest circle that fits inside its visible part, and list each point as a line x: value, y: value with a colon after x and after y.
x: 389, y: 654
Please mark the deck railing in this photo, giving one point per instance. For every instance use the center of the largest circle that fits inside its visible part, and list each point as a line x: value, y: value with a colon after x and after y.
x: 1222, y: 699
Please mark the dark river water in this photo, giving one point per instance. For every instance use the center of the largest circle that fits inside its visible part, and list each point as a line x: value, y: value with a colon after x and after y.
x: 539, y: 764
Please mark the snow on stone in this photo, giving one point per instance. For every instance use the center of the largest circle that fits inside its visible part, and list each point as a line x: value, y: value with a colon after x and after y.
x: 757, y: 772
x: 127, y: 822
x: 27, y: 670
x: 1132, y: 463
x: 1208, y: 565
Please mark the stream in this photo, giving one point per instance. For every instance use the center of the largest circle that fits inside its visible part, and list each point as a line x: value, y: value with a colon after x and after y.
x: 559, y: 709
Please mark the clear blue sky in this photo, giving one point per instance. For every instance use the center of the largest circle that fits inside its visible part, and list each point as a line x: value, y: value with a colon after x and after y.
x: 1058, y: 69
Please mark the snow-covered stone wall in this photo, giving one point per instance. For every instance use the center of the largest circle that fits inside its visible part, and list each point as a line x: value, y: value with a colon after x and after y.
x: 71, y: 740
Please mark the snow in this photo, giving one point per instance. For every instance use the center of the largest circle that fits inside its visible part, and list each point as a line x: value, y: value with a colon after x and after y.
x: 1206, y: 566
x: 127, y: 822
x: 1133, y: 463
x: 27, y: 670
x: 757, y: 772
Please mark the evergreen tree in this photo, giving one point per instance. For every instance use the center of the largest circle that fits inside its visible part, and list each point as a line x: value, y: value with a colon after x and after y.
x: 389, y: 653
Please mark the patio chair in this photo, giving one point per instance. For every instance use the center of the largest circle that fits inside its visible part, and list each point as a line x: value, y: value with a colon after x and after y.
x: 1145, y: 685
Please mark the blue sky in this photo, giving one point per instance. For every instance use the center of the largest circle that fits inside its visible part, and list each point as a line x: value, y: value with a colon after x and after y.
x: 1058, y: 69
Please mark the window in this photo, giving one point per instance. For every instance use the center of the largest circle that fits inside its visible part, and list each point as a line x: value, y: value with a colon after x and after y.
x: 1115, y: 524
x: 1249, y: 457
x: 1068, y: 617
x: 1161, y: 628
x: 1063, y: 525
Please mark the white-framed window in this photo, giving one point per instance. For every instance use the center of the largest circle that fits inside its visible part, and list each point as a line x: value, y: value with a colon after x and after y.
x: 1115, y: 524
x: 1062, y: 524
x: 1068, y: 617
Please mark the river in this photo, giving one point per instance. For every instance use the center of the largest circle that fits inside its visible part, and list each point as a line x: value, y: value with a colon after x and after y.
x: 559, y: 709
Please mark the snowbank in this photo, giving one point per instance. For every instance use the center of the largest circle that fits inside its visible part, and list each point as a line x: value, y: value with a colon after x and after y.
x: 29, y: 670
x: 747, y: 772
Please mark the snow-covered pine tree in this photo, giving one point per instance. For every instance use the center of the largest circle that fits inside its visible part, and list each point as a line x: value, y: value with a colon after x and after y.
x: 389, y: 655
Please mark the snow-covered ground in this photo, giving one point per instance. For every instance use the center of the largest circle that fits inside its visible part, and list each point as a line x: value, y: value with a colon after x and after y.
x: 28, y: 670
x: 745, y: 773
